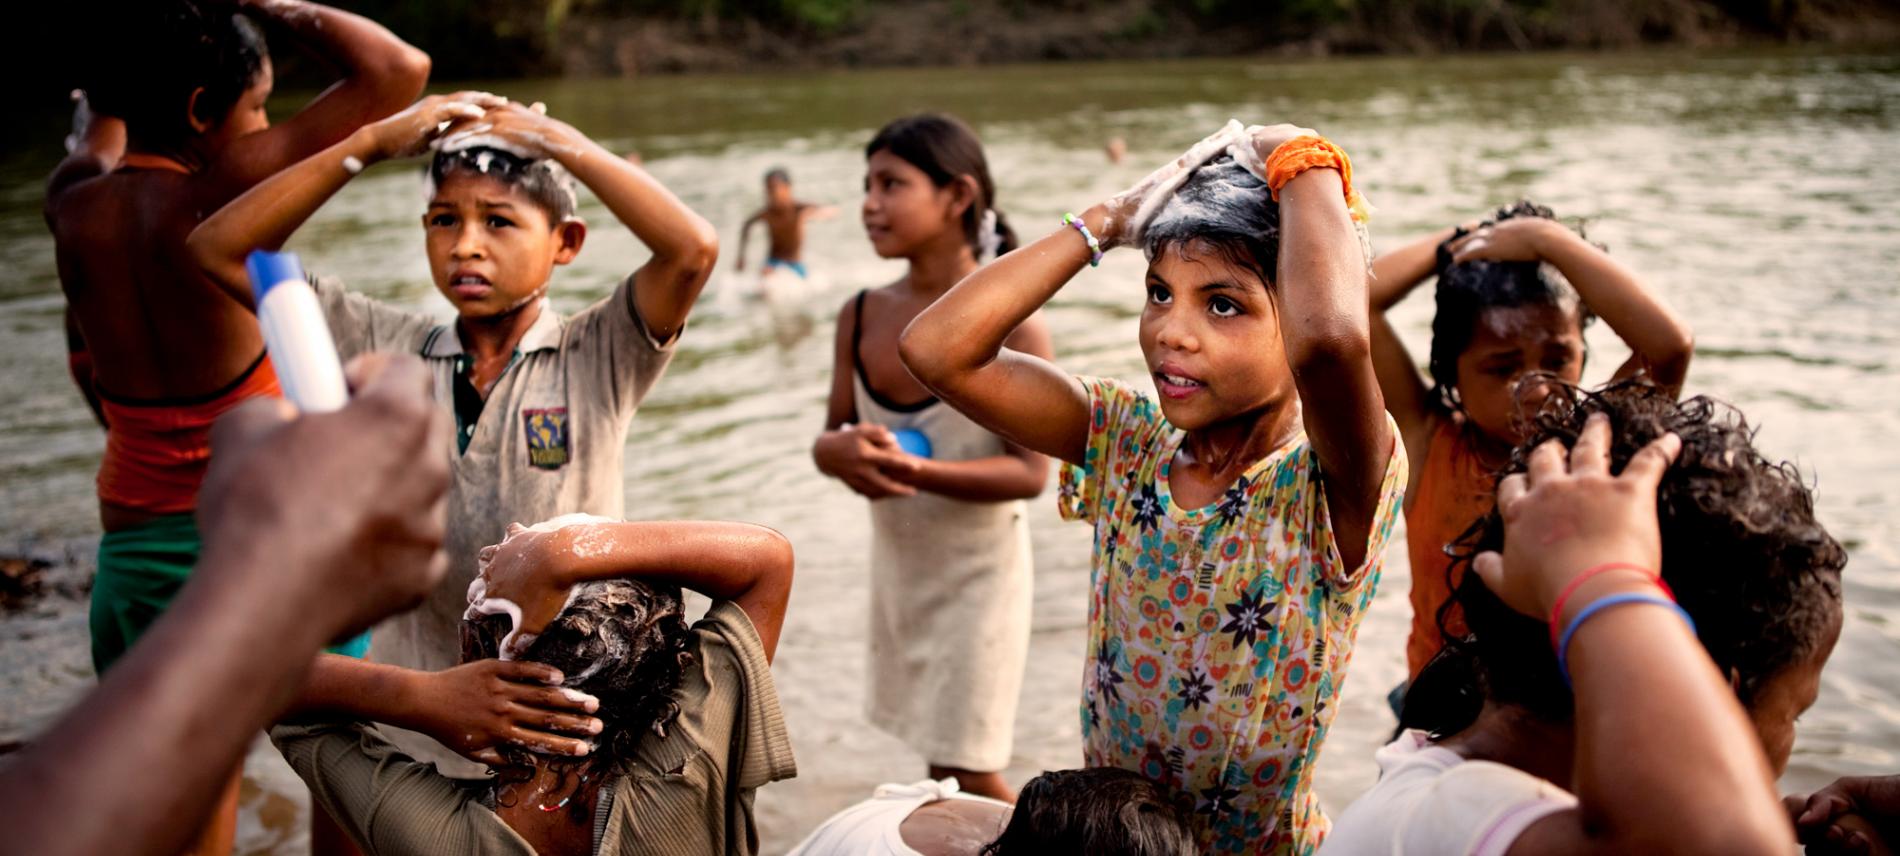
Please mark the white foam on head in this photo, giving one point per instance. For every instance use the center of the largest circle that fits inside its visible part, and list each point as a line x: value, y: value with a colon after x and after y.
x: 1160, y: 186
x: 480, y: 604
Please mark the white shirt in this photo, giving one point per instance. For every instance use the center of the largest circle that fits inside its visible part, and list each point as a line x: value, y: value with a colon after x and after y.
x: 870, y: 828
x: 1429, y: 801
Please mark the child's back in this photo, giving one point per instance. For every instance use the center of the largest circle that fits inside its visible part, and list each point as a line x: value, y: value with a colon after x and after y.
x: 180, y: 129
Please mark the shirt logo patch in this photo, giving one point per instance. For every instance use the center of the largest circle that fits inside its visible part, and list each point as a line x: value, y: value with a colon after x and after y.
x: 547, y: 437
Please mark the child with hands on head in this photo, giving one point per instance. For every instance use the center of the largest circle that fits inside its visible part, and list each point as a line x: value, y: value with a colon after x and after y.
x: 1239, y: 522
x: 684, y: 726
x: 950, y: 559
x: 539, y: 404
x: 1514, y: 295
x: 1650, y: 608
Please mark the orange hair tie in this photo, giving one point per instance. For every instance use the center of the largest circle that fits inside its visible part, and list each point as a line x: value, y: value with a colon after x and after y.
x: 1300, y: 154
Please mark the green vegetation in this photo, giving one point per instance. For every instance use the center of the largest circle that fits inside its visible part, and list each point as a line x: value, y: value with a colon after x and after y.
x: 513, y: 37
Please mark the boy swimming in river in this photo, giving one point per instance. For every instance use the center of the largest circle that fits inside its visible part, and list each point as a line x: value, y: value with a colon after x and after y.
x: 784, y: 217
x: 540, y: 403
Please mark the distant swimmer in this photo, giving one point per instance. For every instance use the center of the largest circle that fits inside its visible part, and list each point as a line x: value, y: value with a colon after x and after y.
x: 785, y: 218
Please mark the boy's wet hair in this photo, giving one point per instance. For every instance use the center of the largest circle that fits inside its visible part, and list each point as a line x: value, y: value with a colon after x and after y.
x: 779, y: 175
x: 543, y: 180
x: 153, y: 54
x: 1466, y: 290
x: 944, y: 148
x: 621, y: 641
x: 1224, y: 209
x: 1741, y: 549
x: 1103, y: 811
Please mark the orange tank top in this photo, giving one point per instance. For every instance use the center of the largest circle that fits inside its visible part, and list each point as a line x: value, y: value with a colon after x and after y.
x: 1454, y: 490
x: 156, y: 451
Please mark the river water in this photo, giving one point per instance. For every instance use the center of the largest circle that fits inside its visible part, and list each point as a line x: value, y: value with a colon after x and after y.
x: 1756, y: 190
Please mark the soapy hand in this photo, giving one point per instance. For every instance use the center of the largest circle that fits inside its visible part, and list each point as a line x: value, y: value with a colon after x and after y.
x: 522, y: 577
x: 1257, y: 142
x: 476, y: 707
x: 1130, y: 211
x: 1567, y: 514
x: 346, y: 509
x: 412, y: 131
x: 523, y: 130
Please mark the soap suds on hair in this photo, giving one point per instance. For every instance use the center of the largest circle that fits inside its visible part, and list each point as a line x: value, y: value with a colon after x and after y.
x: 480, y: 604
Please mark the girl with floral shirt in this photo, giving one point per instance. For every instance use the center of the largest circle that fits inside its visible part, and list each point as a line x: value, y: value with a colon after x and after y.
x: 1239, y: 520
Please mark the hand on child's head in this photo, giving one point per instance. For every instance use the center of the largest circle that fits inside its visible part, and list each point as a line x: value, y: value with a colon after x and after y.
x: 1257, y: 143
x: 1130, y: 211
x: 520, y: 572
x: 412, y: 131
x: 1518, y: 239
x: 1567, y: 513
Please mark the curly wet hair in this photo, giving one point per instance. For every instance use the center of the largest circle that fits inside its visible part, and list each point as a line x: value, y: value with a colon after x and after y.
x: 1466, y: 290
x: 1741, y: 548
x: 621, y: 641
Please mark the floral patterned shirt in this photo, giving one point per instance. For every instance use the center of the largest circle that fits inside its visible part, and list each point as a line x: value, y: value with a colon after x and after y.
x: 1218, y: 636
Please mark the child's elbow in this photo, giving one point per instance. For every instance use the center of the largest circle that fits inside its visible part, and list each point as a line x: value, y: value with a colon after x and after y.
x: 1337, y: 346
x: 916, y: 351
x: 1681, y: 347
x: 404, y: 72
x: 775, y: 559
x: 692, y: 261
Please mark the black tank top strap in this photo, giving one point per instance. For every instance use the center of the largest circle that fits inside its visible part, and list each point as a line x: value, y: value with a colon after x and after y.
x: 857, y: 364
x: 857, y: 335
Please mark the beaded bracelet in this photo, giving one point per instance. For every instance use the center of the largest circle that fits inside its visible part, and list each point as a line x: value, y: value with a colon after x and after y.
x: 1603, y: 603
x: 1095, y: 247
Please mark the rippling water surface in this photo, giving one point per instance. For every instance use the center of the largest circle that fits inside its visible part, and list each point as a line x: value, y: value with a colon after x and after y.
x: 1756, y: 190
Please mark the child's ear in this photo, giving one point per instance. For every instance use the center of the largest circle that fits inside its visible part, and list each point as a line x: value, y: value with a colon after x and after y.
x: 963, y: 194
x: 191, y: 112
x: 571, y: 234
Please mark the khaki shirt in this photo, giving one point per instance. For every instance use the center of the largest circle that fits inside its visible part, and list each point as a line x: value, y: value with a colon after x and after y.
x: 688, y: 792
x: 549, y: 442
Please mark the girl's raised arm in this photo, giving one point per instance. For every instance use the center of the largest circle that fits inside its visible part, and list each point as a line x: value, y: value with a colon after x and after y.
x: 1661, y: 341
x: 265, y: 216
x: 1394, y: 275
x: 1323, y: 320
x: 955, y: 347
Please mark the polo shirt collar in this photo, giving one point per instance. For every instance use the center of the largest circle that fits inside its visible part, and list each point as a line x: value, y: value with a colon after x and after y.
x: 543, y: 334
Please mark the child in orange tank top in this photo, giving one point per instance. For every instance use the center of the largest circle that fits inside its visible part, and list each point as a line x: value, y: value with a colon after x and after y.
x: 1514, y: 294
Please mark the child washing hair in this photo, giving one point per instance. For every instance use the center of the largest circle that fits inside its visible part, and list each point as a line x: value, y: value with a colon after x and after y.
x: 1648, y: 611
x: 540, y: 403
x: 1513, y: 295
x: 687, y: 725
x: 950, y: 558
x: 1239, y: 523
